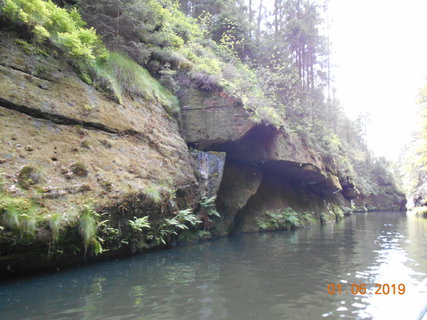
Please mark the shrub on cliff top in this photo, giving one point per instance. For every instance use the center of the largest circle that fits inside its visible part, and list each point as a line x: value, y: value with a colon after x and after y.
x: 65, y: 29
x: 160, y: 37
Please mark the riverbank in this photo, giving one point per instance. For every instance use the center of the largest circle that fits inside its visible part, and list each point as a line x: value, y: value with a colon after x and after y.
x: 36, y: 263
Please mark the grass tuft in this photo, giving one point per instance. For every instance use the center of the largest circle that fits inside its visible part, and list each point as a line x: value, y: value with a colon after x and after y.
x: 88, y: 226
x: 121, y: 74
x: 19, y: 215
x: 152, y: 191
x: 55, y: 225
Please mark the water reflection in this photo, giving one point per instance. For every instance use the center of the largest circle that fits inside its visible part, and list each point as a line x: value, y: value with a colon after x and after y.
x: 280, y: 275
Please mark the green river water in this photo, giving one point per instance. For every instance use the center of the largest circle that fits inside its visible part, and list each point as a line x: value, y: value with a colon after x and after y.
x: 278, y: 275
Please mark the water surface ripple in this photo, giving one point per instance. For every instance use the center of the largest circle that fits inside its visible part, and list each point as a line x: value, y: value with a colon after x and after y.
x: 281, y: 275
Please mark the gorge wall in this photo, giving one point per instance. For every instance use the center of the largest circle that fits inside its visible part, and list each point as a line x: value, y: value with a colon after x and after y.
x: 63, y: 143
x: 269, y: 169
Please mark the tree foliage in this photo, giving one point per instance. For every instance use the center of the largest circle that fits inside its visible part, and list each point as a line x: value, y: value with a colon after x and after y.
x: 413, y: 161
x: 167, y: 42
x: 64, y: 28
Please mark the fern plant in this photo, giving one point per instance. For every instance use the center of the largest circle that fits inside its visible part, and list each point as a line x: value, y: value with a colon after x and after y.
x: 65, y: 29
x: 138, y: 224
x: 170, y: 227
x: 276, y: 220
x: 138, y: 237
x: 309, y: 217
x: 209, y: 205
x: 290, y: 218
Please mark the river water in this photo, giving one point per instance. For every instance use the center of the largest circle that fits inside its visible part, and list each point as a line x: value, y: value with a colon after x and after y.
x: 280, y: 275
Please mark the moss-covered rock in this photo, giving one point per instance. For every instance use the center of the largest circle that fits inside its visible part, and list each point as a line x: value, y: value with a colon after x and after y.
x: 79, y: 169
x: 29, y: 176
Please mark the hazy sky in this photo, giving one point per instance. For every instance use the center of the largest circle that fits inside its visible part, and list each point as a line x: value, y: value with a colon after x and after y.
x: 380, y: 53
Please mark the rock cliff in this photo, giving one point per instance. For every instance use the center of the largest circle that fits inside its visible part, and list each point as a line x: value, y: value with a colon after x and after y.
x: 77, y: 145
x: 63, y: 143
x: 269, y: 169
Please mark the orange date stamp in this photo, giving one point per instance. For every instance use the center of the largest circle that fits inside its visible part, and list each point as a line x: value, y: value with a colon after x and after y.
x: 361, y: 288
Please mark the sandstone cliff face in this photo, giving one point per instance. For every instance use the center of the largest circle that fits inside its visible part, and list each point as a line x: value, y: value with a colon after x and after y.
x: 75, y: 144
x: 45, y: 105
x: 268, y: 170
x: 81, y: 146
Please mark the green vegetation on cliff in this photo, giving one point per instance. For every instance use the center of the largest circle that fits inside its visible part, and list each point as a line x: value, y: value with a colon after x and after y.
x: 23, y: 221
x: 168, y: 43
x: 278, y: 67
x: 280, y: 71
x: 66, y: 31
x: 153, y: 50
x: 286, y: 219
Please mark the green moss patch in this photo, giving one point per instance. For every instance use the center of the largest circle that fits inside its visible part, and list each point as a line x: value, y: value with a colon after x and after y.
x: 29, y: 176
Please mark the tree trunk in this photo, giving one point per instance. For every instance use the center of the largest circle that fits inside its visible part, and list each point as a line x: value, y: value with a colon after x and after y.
x: 276, y: 18
x: 258, y: 33
x: 250, y: 18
